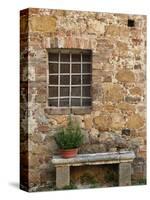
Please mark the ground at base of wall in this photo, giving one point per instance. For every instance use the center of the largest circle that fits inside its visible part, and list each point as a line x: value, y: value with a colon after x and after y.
x: 88, y: 183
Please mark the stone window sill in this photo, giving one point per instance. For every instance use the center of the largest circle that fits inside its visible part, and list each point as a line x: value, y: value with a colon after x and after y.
x: 67, y: 111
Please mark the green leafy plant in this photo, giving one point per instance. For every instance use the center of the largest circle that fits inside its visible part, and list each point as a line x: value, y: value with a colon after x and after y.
x: 111, y: 177
x: 69, y: 137
x: 70, y: 187
x: 88, y: 178
x: 141, y: 181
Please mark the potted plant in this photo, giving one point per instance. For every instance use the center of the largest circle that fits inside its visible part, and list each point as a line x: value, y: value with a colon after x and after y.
x: 69, y: 139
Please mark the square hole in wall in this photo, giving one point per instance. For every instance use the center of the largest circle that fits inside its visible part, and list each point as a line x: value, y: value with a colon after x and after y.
x: 131, y: 23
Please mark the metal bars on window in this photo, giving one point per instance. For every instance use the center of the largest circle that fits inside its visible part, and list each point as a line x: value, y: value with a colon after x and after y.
x: 69, y: 78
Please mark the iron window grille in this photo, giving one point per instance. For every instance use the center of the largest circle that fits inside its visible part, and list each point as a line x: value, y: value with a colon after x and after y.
x: 69, y: 78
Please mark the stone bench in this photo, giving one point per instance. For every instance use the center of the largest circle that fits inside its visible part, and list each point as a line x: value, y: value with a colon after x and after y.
x: 123, y: 158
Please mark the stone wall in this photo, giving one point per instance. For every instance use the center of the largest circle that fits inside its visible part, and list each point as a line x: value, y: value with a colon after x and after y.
x: 118, y: 88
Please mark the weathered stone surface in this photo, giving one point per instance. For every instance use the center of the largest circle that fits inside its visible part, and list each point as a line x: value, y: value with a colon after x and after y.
x: 96, y: 91
x: 86, y: 139
x: 93, y: 135
x: 33, y: 161
x: 107, y: 79
x: 42, y: 24
x: 92, y: 159
x: 102, y: 122
x: 43, y: 128
x: 36, y: 138
x: 62, y: 176
x: 126, y: 107
x: 63, y: 165
x: 136, y: 91
x: 113, y: 30
x: 88, y: 122
x: 93, y: 148
x: 34, y: 177
x: 125, y: 75
x: 95, y: 25
x: 132, y: 99
x: 113, y: 93
x: 60, y: 118
x: 109, y: 107
x: 50, y: 143
x: 139, y: 169
x: 122, y: 48
x: 124, y: 174
x: 135, y: 121
x: 112, y: 140
x: 137, y: 141
x: 118, y: 121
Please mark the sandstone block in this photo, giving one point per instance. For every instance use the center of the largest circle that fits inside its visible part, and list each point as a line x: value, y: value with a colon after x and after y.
x: 109, y: 108
x: 122, y: 46
x: 113, y: 93
x: 102, y: 122
x: 42, y: 24
x: 126, y: 107
x: 135, y: 121
x: 125, y: 75
x: 88, y: 121
x: 61, y: 119
x: 124, y: 32
x: 96, y: 26
x: 118, y: 121
x: 113, y: 30
x: 136, y: 91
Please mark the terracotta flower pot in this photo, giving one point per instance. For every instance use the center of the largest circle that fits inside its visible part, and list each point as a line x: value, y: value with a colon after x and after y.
x: 68, y: 153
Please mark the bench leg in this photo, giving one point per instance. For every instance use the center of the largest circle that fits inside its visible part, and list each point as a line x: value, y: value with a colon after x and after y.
x: 62, y: 176
x: 124, y: 174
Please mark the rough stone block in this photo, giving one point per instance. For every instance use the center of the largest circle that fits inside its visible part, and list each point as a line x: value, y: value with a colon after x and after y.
x: 102, y: 122
x: 135, y: 121
x: 42, y: 24
x: 113, y: 92
x: 133, y: 99
x: 136, y: 91
x: 125, y: 76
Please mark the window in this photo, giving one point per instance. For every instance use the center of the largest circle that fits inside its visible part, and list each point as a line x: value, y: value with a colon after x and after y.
x: 69, y: 78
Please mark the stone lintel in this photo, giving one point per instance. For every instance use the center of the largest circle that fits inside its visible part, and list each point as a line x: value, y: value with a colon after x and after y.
x: 95, y: 159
